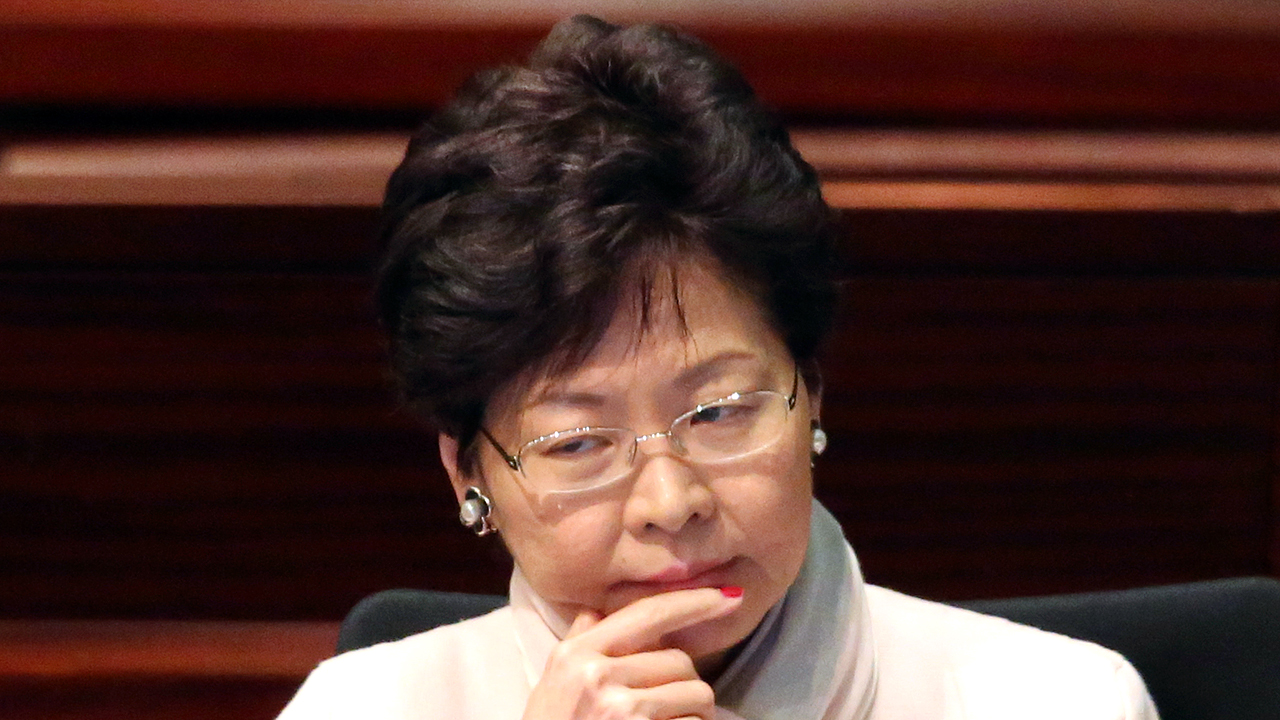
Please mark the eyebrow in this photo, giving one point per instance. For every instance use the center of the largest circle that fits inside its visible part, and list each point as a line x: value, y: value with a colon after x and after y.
x: 688, y: 379
x: 715, y: 365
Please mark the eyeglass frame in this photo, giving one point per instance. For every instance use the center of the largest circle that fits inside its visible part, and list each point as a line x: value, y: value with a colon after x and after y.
x: 513, y: 461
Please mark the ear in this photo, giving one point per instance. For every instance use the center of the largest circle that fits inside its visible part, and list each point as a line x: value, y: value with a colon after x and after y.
x: 815, y: 405
x: 449, y: 458
x: 813, y: 390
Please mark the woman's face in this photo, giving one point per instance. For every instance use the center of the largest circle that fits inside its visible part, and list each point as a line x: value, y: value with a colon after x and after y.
x: 670, y: 523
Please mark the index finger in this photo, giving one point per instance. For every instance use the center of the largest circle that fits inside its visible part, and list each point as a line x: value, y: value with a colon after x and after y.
x: 641, y: 625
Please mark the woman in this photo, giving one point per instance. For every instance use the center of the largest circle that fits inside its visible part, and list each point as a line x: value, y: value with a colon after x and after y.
x: 607, y: 277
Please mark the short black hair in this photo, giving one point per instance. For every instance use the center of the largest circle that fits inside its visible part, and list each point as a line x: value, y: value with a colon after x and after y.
x: 519, y: 208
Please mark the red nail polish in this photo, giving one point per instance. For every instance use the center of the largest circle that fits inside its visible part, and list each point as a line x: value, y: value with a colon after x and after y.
x: 731, y: 591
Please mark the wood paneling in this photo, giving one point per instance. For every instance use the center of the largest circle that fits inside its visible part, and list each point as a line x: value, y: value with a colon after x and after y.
x: 155, y: 669
x: 869, y: 169
x: 1138, y: 243
x: 210, y: 445
x: 1214, y: 65
x: 1057, y: 369
x: 132, y: 246
x: 83, y: 649
x: 151, y: 239
x: 146, y: 699
x: 1052, y: 430
x: 194, y: 420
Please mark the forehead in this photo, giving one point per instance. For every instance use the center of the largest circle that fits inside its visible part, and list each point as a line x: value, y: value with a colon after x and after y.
x: 685, y: 321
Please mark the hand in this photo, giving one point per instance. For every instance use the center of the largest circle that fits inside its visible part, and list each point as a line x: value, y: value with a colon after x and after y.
x: 617, y: 667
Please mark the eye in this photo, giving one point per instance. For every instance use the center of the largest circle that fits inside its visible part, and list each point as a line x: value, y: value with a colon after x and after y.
x: 712, y: 414
x: 575, y: 446
x: 733, y: 409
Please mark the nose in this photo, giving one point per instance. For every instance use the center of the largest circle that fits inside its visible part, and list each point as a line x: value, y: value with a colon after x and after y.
x: 670, y: 435
x: 668, y: 493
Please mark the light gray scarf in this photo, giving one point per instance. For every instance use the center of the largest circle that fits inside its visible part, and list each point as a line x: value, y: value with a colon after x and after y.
x: 812, y: 656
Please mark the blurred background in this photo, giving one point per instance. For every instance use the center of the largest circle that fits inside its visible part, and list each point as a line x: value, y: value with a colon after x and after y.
x: 1057, y: 369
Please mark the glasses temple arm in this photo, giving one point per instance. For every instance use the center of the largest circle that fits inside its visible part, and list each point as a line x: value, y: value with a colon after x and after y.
x: 512, y: 462
x: 795, y: 389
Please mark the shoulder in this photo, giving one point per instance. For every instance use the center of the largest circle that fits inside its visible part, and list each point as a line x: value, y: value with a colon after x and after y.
x: 437, y: 674
x: 988, y: 668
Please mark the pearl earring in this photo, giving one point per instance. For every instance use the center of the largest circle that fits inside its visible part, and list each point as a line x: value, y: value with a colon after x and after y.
x: 819, y: 440
x: 474, y: 512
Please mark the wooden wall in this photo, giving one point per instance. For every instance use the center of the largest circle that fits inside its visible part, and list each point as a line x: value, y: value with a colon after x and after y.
x: 1028, y: 424
x: 1019, y: 401
x: 1057, y: 369
x: 1208, y: 63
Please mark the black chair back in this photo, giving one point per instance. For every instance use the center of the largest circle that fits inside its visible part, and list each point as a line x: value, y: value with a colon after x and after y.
x: 395, y: 614
x: 1207, y: 650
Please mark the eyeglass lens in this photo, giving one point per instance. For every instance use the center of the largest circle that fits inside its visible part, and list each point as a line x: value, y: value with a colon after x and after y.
x: 586, y: 458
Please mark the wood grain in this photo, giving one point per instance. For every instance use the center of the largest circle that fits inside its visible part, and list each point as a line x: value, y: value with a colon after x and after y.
x: 1005, y: 63
x: 85, y: 649
x: 155, y: 669
x: 862, y: 169
x: 1057, y: 367
x: 998, y: 421
x: 146, y: 699
x: 1019, y: 402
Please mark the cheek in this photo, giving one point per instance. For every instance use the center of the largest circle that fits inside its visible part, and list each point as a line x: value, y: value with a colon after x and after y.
x: 566, y: 558
x: 770, y: 508
x: 772, y: 484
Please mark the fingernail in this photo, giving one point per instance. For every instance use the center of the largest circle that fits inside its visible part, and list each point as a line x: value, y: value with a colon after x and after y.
x: 731, y: 591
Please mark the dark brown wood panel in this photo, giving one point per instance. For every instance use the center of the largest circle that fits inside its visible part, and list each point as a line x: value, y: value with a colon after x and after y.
x: 311, y: 545
x: 262, y: 66
x: 222, y: 443
x: 195, y: 423
x: 146, y: 699
x: 228, y: 238
x: 209, y: 444
x: 117, y: 238
x: 995, y: 242
x: 155, y: 669
x: 1052, y: 429
x: 87, y: 649
x: 190, y: 352
x: 1074, y: 76
x: 1075, y: 68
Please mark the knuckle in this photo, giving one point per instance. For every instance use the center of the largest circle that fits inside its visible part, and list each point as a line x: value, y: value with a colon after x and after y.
x: 617, y: 702
x: 683, y: 662
x: 704, y: 695
x: 562, y: 654
x: 594, y: 671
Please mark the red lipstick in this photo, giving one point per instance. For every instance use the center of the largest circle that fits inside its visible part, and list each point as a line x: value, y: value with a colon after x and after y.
x: 684, y: 576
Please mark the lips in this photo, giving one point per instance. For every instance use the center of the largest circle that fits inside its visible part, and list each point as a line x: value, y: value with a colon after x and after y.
x: 684, y: 576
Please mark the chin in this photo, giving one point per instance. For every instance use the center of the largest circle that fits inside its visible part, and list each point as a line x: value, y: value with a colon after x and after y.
x: 714, y: 638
